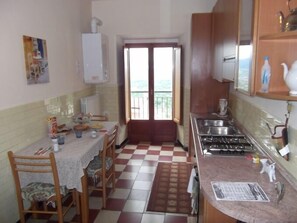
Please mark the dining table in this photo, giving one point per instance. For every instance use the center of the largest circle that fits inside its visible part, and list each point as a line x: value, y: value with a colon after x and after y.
x: 72, y: 160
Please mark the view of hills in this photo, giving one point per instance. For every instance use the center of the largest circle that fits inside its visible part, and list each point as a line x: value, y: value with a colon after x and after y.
x: 160, y: 85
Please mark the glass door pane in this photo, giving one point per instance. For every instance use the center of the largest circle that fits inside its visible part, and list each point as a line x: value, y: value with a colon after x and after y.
x: 163, y: 69
x: 139, y: 83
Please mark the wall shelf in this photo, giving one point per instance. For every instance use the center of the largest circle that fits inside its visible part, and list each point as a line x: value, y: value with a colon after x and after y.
x: 281, y: 95
x: 280, y: 36
x: 281, y: 47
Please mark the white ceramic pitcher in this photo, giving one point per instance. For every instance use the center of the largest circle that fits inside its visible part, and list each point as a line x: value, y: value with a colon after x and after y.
x: 290, y: 77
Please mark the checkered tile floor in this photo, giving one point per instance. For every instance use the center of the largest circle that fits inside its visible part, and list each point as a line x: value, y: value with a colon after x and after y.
x: 135, y: 169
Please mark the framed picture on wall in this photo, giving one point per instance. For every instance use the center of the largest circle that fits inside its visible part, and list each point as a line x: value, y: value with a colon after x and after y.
x: 36, y: 61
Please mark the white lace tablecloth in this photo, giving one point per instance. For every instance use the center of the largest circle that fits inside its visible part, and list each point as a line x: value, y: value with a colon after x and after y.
x: 73, y: 157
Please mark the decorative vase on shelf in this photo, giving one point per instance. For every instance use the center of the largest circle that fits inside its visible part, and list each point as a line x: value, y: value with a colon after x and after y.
x: 265, y: 75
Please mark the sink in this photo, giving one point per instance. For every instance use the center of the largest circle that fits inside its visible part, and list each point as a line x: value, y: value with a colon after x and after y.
x: 215, y: 122
x: 221, y: 130
x: 217, y: 127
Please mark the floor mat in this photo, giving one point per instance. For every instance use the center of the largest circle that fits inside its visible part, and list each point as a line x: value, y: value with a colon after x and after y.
x: 169, y: 191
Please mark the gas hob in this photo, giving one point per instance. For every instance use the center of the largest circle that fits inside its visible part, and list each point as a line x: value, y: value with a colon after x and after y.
x: 226, y: 145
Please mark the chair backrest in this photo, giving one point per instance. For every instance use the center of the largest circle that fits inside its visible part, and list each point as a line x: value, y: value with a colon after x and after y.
x: 34, y: 165
x: 109, y: 143
x: 112, y: 137
x: 99, y: 118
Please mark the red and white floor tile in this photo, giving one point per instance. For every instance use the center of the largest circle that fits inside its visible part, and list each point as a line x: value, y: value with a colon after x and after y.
x: 135, y: 169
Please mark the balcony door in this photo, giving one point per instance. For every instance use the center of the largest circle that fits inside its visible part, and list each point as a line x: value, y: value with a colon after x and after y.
x: 152, y: 88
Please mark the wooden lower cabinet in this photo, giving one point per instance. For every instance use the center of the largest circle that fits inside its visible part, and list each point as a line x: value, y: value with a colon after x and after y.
x: 209, y: 214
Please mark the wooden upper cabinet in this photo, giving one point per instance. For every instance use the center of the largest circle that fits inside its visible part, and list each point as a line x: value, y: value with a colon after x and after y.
x: 217, y: 32
x: 225, y: 39
x: 205, y: 91
x: 281, y: 47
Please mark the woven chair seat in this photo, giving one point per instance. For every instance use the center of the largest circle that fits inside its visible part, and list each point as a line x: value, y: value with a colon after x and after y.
x: 95, y: 166
x: 37, y: 191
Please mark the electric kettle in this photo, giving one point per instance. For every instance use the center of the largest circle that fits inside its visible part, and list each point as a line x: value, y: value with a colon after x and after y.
x: 223, y: 104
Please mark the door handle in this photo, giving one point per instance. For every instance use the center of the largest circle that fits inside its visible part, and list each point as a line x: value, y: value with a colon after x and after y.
x: 229, y: 58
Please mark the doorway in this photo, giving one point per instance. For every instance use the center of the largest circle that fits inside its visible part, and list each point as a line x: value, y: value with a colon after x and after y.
x: 151, y: 72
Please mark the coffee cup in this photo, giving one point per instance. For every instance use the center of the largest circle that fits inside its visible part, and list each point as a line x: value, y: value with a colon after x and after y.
x: 94, y: 134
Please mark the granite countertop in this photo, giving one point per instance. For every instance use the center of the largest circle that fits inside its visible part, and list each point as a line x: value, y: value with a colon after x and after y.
x: 241, y: 169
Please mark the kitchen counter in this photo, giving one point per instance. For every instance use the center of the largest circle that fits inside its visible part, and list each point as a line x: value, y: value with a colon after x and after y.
x: 241, y: 169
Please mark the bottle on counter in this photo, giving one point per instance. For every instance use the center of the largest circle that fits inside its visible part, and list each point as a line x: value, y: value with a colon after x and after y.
x: 52, y: 126
x: 55, y: 145
x: 265, y: 75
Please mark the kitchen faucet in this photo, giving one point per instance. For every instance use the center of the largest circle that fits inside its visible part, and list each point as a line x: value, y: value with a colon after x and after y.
x: 284, y: 130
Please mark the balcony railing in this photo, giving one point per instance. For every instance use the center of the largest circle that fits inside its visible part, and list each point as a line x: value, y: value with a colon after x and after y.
x: 162, y: 105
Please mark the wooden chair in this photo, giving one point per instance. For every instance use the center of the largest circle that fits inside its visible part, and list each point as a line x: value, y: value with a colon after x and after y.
x: 37, y: 192
x: 101, y: 169
x: 99, y: 118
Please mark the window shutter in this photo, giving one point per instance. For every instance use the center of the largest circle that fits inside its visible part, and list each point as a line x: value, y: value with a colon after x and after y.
x: 177, y: 86
x: 127, y: 85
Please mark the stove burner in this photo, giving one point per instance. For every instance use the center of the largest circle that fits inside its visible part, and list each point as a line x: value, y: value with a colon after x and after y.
x: 226, y: 145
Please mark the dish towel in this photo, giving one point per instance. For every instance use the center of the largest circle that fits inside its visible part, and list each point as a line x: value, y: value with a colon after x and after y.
x: 193, y: 190
x: 190, y: 184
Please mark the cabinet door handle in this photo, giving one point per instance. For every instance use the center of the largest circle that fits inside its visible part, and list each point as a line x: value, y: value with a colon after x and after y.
x: 229, y: 58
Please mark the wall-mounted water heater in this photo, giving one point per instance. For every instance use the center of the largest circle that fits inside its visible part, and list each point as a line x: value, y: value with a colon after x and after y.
x: 95, y: 58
